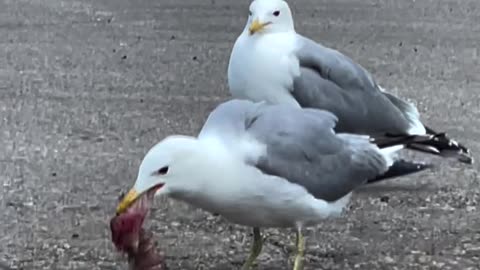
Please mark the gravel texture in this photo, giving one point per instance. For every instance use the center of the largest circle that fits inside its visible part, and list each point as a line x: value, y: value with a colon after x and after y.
x: 86, y: 87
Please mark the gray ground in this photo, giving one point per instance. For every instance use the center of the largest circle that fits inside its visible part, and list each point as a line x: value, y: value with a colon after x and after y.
x: 86, y: 87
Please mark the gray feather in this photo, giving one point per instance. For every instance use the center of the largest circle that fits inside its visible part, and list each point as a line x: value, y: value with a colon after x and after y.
x: 331, y: 81
x: 303, y: 149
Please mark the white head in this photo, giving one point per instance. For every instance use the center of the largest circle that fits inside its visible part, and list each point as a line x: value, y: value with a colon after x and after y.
x: 269, y: 16
x: 165, y: 167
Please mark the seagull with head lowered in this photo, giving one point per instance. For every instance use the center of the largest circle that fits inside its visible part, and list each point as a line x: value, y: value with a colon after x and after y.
x: 262, y: 166
x: 271, y: 62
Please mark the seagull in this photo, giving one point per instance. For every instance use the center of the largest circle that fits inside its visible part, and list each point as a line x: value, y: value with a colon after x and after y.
x: 270, y: 62
x: 263, y: 165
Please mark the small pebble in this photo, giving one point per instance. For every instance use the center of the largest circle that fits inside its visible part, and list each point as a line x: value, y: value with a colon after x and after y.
x: 389, y: 259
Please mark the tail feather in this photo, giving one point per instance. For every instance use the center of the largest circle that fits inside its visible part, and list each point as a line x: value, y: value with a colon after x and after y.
x: 432, y: 143
x: 398, y: 167
x: 401, y: 168
x: 450, y: 147
x: 437, y: 144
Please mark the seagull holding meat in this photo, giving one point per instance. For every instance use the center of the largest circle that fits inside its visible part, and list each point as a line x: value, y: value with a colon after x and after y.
x: 262, y: 166
x: 130, y: 238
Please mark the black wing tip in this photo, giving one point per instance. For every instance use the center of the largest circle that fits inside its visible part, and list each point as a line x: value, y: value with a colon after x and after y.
x: 442, y: 146
x: 467, y: 159
x: 450, y: 147
x: 400, y: 168
x: 463, y: 153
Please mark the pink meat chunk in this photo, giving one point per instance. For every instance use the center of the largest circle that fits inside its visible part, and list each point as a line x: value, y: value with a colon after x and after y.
x: 129, y: 237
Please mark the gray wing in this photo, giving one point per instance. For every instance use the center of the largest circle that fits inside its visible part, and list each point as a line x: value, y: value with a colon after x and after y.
x: 228, y: 119
x: 302, y: 148
x: 331, y: 81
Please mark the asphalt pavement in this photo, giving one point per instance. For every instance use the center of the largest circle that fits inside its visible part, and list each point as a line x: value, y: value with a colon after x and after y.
x: 87, y: 87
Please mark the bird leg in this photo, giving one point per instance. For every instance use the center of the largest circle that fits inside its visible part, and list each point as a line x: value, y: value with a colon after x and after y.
x: 256, y: 249
x: 298, y: 264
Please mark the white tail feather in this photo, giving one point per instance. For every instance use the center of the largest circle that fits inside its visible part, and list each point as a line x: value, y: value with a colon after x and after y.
x: 390, y: 153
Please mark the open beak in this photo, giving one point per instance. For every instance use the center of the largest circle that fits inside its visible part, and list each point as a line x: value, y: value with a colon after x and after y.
x: 257, y: 26
x: 133, y: 195
x: 127, y: 201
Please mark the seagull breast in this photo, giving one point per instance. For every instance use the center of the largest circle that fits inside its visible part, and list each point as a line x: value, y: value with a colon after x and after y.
x: 263, y: 68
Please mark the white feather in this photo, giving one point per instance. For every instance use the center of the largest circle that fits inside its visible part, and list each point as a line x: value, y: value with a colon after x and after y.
x: 390, y: 153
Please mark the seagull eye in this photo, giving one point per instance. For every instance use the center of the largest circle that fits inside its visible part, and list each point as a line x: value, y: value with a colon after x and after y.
x: 163, y: 170
x: 250, y: 13
x: 276, y: 13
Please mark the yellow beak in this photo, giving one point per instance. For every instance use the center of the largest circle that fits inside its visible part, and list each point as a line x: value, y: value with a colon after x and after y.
x: 256, y: 26
x: 127, y: 201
